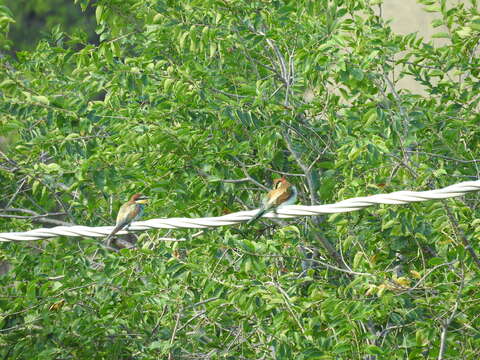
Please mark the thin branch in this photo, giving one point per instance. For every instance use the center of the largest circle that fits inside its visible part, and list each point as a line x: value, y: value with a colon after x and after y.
x: 284, y: 172
x: 460, y: 234
x: 406, y: 118
x: 328, y: 266
x: 444, y: 157
x: 413, y: 64
x: 228, y: 181
x: 305, y: 169
x: 19, y: 326
x: 287, y: 303
x: 205, y: 301
x: 446, y: 324
x: 281, y: 60
x: 197, y: 315
x: 16, y: 192
x: 245, y: 171
x: 229, y: 94
x: 422, y: 279
x: 35, y: 217
x: 170, y: 355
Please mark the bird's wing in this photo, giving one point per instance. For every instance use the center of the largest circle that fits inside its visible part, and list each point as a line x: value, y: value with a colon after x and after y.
x: 126, y: 214
x: 275, y: 198
x: 278, y: 196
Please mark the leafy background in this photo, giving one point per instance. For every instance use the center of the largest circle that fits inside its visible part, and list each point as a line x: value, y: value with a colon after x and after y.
x: 200, y: 104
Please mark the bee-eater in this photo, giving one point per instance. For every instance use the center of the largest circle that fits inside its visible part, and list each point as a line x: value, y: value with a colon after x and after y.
x: 129, y: 212
x: 283, y: 193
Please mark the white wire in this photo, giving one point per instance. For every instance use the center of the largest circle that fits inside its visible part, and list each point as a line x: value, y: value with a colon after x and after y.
x: 291, y: 211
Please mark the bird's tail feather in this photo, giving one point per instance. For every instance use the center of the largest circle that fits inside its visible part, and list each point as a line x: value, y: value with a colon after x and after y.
x: 114, y: 231
x: 257, y: 216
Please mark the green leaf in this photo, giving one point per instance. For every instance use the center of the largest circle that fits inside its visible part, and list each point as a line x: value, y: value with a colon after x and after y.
x: 374, y: 350
x: 176, y: 99
x: 441, y: 35
x: 99, y: 13
x: 357, y: 259
x: 464, y: 32
x: 432, y: 8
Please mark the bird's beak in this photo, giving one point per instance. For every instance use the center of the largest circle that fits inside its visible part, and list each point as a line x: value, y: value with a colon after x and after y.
x: 142, y: 200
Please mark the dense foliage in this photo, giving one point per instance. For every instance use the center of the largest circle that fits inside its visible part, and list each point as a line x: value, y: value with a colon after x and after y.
x: 198, y: 103
x: 33, y: 18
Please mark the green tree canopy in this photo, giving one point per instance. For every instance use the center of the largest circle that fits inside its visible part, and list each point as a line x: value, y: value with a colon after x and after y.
x: 200, y: 104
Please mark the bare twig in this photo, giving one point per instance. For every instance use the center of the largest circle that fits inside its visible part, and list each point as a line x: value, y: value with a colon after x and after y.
x: 22, y: 182
x: 174, y: 333
x: 460, y: 234
x: 307, y: 171
x: 251, y: 179
x: 36, y: 217
x: 314, y: 200
x: 229, y: 94
x: 444, y: 157
x: 422, y: 279
x: 284, y: 173
x: 446, y: 323
x: 287, y: 303
x: 228, y: 181
x: 205, y: 301
x: 328, y: 266
x: 464, y: 75
x: 197, y: 315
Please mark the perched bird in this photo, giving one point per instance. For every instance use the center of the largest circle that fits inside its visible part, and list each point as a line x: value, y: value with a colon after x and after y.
x: 283, y: 193
x: 129, y: 212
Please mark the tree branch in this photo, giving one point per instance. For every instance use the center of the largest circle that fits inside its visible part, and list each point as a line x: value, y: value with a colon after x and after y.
x: 35, y: 217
